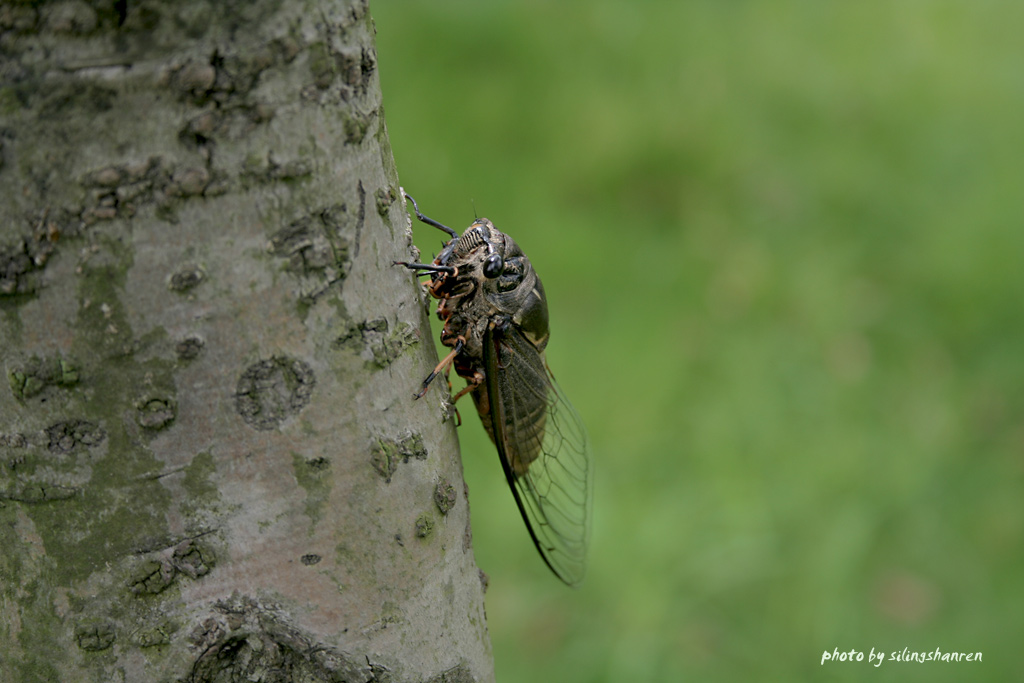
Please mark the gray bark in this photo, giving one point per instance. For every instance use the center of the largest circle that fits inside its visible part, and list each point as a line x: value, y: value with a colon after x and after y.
x: 211, y: 465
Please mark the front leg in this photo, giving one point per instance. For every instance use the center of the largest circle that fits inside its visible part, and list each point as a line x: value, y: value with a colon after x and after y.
x: 427, y: 267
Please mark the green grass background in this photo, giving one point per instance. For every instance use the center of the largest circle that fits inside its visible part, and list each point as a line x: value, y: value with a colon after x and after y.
x: 782, y: 245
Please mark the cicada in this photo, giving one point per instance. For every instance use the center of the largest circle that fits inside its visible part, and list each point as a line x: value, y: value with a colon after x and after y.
x: 495, y: 318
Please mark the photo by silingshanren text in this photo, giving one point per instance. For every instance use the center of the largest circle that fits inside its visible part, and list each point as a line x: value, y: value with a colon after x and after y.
x: 905, y: 655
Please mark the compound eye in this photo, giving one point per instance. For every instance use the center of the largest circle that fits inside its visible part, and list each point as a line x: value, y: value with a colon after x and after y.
x: 493, y: 266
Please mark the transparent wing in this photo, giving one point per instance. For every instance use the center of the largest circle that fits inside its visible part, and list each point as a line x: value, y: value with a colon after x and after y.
x: 544, y: 451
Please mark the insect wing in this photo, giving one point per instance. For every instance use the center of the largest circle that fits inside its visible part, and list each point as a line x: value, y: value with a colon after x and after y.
x: 544, y: 451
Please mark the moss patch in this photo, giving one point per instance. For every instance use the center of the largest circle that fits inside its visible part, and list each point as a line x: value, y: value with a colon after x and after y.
x: 32, y: 377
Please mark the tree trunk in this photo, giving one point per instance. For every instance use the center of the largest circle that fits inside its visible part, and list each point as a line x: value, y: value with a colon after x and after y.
x: 211, y: 465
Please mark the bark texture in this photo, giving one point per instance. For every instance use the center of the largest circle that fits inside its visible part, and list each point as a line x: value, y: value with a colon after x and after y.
x: 211, y: 468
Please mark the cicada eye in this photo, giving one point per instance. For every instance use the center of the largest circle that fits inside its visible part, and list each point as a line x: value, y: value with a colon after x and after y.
x: 493, y: 266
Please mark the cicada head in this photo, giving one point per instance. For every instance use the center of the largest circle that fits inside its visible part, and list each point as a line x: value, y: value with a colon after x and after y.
x: 502, y: 276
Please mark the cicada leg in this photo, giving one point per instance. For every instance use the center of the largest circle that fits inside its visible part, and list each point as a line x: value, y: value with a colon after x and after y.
x: 453, y: 409
x: 445, y: 363
x: 430, y: 221
x: 428, y: 267
x: 471, y: 383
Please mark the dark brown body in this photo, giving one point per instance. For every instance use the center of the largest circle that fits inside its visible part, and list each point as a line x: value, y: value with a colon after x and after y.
x: 496, y: 324
x: 472, y: 304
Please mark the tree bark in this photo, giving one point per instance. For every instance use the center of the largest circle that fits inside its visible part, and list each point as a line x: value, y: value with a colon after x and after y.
x: 211, y: 465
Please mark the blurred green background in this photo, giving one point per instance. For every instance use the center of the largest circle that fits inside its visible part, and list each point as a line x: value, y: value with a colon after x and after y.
x: 781, y: 243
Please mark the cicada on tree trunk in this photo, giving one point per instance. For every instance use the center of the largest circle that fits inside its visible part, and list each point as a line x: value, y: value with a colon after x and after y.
x: 495, y: 318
